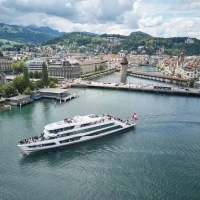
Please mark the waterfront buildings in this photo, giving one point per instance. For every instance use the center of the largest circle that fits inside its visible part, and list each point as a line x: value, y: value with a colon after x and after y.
x: 182, y: 66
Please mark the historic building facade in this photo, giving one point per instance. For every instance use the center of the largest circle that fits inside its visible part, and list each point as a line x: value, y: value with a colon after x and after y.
x: 89, y: 66
x: 5, y: 64
x: 5, y: 67
x: 63, y: 69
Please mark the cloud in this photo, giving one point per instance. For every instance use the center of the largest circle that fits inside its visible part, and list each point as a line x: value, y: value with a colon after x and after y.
x: 68, y: 5
x: 157, y: 17
x: 151, y: 22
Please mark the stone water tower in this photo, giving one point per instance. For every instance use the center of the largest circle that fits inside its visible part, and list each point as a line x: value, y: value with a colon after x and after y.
x: 124, y: 65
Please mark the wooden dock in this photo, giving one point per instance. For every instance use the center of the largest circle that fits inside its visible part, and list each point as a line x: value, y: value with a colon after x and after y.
x: 69, y: 97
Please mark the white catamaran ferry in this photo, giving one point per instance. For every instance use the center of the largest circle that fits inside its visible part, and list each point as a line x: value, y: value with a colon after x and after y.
x: 75, y: 130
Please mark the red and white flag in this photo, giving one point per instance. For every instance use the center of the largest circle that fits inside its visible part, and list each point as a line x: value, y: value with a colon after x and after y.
x: 134, y: 116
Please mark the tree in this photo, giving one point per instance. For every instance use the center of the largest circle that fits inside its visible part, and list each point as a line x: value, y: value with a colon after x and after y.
x: 9, y: 90
x: 100, y: 67
x: 18, y: 66
x: 32, y: 85
x: 52, y: 84
x: 31, y: 75
x: 26, y: 77
x: 39, y: 84
x: 27, y: 91
x: 55, y: 80
x: 36, y: 75
x: 1, y: 91
x: 39, y: 74
x: 44, y: 74
x: 19, y: 84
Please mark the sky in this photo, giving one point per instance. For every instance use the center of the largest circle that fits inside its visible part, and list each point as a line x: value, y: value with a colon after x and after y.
x: 158, y: 18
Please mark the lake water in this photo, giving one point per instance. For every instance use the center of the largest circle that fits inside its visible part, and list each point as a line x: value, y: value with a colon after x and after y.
x: 159, y: 159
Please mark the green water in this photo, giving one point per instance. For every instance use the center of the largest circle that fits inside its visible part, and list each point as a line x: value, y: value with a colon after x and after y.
x: 159, y: 159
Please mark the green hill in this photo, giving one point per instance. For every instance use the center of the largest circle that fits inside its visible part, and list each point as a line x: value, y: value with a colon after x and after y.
x: 29, y: 34
x: 139, y: 35
x: 137, y: 42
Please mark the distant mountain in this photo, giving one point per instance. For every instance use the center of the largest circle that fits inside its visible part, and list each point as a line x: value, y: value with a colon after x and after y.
x: 76, y: 39
x: 27, y: 34
x: 46, y: 29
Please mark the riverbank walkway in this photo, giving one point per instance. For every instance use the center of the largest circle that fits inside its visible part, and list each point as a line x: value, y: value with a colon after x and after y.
x: 172, y: 90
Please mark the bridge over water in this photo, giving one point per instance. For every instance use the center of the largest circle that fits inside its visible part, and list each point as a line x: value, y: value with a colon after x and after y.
x: 138, y: 87
x: 163, y: 78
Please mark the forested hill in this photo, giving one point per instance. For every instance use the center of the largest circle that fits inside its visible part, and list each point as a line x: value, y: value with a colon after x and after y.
x: 28, y: 34
x: 137, y: 42
x: 80, y: 42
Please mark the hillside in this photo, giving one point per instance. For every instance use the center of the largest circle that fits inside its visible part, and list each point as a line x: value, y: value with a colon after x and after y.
x: 77, y: 41
x: 12, y: 37
x: 29, y: 34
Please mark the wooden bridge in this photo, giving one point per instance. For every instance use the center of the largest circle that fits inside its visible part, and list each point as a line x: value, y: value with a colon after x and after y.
x: 163, y: 78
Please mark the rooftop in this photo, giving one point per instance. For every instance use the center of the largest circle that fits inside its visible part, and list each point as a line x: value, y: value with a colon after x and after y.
x: 53, y: 90
x: 19, y: 97
x: 124, y: 61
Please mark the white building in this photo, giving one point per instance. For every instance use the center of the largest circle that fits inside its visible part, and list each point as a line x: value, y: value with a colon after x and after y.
x: 91, y: 65
x: 188, y: 72
x: 35, y: 64
x: 189, y: 40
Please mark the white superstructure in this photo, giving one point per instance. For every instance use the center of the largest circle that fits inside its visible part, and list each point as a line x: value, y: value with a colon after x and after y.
x: 75, y: 130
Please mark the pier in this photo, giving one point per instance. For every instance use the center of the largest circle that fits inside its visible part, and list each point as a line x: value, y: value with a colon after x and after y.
x: 171, y: 90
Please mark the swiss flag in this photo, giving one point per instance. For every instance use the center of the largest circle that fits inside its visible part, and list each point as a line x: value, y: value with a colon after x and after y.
x: 134, y: 116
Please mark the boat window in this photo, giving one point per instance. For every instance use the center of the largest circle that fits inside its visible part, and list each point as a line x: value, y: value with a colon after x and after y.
x: 49, y: 144
x: 104, y: 130
x: 51, y: 131
x: 82, y: 125
x: 68, y: 128
x: 70, y: 140
x: 87, y: 129
x: 42, y: 145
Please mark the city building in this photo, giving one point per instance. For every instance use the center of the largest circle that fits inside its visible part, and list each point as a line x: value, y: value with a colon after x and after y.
x: 35, y: 64
x: 5, y: 67
x: 189, y: 40
x: 63, y: 69
x: 89, y: 66
x: 5, y: 64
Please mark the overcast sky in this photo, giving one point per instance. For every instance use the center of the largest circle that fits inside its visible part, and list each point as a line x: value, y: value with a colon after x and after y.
x: 159, y: 18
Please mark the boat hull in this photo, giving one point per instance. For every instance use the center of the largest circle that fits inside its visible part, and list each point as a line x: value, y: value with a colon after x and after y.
x: 26, y: 148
